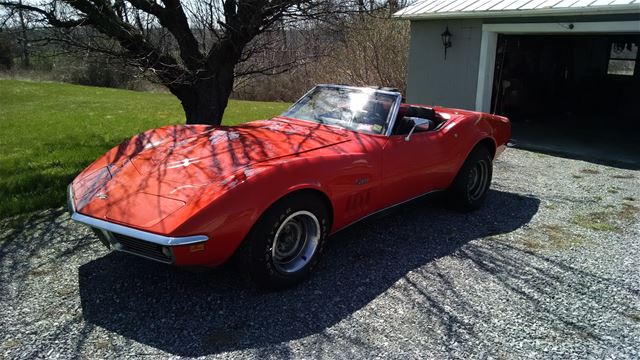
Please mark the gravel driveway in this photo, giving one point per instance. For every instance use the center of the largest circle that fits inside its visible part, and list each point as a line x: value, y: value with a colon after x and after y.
x: 550, y: 267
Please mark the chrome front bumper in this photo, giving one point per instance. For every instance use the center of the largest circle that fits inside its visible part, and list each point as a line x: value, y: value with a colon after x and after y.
x: 130, y: 240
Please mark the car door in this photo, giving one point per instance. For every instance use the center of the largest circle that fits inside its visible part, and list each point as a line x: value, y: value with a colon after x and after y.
x: 413, y: 167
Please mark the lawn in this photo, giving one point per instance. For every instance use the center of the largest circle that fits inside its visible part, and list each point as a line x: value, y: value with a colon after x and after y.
x: 49, y: 132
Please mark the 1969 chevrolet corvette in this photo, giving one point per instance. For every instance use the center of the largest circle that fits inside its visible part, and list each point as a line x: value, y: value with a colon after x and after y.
x: 269, y: 192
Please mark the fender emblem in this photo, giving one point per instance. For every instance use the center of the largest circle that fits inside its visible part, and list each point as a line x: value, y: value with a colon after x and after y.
x: 362, y: 181
x: 102, y: 196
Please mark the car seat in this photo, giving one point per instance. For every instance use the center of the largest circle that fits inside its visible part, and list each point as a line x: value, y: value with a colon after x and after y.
x: 404, y: 124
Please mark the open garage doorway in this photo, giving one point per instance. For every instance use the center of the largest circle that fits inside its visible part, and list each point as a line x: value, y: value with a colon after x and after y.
x: 575, y: 95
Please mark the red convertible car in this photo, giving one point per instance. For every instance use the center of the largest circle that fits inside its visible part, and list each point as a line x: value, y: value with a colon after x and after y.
x: 269, y: 192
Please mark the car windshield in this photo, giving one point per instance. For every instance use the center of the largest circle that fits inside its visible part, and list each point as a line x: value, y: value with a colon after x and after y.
x: 359, y: 109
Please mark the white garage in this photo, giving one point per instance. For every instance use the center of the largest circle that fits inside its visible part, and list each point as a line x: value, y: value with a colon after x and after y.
x: 565, y: 72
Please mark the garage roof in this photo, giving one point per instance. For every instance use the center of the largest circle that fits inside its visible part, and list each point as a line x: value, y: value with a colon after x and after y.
x: 431, y: 9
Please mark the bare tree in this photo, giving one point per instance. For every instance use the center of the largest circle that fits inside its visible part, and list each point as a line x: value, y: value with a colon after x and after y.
x: 191, y: 47
x: 24, y: 37
x: 374, y: 51
x: 368, y: 47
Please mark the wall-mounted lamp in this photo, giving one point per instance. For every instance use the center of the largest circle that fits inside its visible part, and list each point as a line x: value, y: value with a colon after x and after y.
x: 446, y: 41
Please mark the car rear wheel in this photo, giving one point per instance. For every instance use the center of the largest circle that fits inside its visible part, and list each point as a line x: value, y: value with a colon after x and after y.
x: 285, y: 244
x: 471, y: 186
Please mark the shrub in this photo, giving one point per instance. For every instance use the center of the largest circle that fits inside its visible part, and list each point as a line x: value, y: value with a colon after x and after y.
x: 6, y: 53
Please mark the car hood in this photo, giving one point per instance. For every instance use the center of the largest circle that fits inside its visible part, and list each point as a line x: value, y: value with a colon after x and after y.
x: 156, y: 173
x: 207, y: 154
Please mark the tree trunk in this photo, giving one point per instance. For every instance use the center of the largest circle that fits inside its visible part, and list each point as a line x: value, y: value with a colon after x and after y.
x: 393, y: 6
x: 205, y: 100
x: 24, y: 42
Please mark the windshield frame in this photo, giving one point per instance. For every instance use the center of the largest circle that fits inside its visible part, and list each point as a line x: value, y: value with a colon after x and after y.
x: 391, y: 117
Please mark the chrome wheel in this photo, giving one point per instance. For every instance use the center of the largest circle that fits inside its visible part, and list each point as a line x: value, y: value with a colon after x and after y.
x: 478, y: 180
x: 296, y: 241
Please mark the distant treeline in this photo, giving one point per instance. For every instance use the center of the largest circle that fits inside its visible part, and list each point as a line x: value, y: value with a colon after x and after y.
x: 367, y: 49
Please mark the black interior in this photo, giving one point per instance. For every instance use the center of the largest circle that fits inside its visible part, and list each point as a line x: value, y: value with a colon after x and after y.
x: 404, y: 121
x: 420, y: 112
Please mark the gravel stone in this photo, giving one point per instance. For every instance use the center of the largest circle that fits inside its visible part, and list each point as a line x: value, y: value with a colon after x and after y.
x: 548, y: 268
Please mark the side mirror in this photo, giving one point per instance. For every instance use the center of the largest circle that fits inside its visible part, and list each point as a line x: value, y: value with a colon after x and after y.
x: 415, y: 121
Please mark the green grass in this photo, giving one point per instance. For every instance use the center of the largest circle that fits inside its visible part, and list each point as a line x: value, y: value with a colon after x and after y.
x: 49, y: 132
x: 599, y: 221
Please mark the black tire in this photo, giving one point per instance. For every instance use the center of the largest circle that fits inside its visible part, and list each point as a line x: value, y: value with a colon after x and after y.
x: 471, y: 186
x: 262, y: 254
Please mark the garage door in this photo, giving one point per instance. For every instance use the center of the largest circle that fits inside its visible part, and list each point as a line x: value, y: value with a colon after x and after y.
x: 563, y: 91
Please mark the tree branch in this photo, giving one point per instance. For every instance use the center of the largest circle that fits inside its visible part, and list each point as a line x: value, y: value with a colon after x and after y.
x: 50, y: 17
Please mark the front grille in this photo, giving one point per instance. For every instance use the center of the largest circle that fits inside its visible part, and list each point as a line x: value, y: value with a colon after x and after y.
x: 141, y: 248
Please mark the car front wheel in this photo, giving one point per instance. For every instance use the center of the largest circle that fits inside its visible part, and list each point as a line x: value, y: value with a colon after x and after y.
x: 285, y: 244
